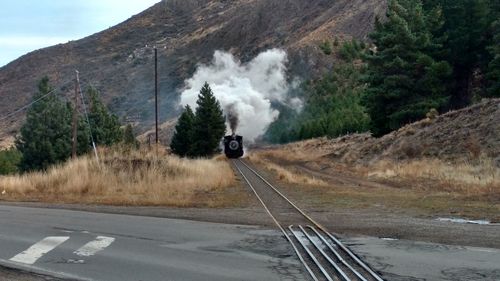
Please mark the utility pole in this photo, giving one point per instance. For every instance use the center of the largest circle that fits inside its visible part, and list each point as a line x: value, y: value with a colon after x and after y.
x: 75, y: 119
x: 156, y: 95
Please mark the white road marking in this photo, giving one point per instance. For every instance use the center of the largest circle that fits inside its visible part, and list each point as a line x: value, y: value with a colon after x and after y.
x: 33, y: 253
x: 91, y: 248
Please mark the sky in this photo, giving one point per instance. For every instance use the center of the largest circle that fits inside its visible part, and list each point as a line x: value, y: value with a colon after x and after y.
x: 28, y: 25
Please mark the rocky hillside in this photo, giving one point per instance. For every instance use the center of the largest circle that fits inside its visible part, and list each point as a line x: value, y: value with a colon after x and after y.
x: 119, y: 61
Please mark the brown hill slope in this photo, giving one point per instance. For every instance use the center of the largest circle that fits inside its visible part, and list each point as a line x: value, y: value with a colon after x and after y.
x: 465, y: 134
x: 117, y: 61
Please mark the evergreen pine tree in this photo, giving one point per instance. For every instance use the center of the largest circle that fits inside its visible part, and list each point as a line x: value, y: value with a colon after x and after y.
x: 494, y: 66
x: 183, y: 136
x: 466, y: 31
x: 105, y: 126
x: 404, y: 81
x: 209, y: 124
x: 45, y: 137
x: 9, y: 161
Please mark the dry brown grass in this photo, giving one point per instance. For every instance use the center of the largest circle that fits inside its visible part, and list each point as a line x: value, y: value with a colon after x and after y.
x: 426, y: 186
x: 133, y: 178
x: 284, y: 174
x: 469, y: 178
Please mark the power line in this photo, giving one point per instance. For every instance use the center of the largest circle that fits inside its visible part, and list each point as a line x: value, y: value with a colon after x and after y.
x: 6, y: 116
x: 26, y: 106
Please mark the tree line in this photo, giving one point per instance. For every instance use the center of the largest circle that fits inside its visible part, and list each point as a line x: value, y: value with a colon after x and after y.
x: 424, y: 55
x: 431, y: 54
x: 45, y: 138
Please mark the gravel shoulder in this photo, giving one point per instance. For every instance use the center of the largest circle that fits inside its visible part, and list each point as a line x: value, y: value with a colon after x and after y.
x: 8, y: 274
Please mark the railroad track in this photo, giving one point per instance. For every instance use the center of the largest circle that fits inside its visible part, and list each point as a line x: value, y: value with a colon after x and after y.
x: 323, y: 255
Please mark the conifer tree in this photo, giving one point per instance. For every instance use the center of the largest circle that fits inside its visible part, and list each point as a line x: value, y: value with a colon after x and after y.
x: 45, y: 137
x: 183, y: 136
x: 494, y: 66
x: 105, y: 126
x: 9, y: 161
x: 209, y: 124
x: 404, y: 80
x: 467, y: 33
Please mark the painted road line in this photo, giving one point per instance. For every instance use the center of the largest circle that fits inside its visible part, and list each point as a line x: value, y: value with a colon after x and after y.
x: 91, y: 248
x: 33, y: 253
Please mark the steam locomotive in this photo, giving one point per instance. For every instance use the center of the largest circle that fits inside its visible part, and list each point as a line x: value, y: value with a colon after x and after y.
x: 233, y: 146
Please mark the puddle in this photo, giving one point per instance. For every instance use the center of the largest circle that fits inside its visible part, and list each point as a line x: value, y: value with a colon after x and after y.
x: 388, y: 239
x: 460, y: 220
x: 71, y: 261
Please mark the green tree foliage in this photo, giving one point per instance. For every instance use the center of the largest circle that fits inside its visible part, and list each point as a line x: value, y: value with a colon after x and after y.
x: 105, y: 126
x: 45, y: 137
x: 494, y: 65
x: 9, y: 160
x: 326, y: 47
x: 183, y: 136
x: 209, y: 124
x: 332, y: 108
x: 351, y: 50
x: 129, y: 139
x: 283, y: 130
x: 467, y: 33
x: 404, y: 80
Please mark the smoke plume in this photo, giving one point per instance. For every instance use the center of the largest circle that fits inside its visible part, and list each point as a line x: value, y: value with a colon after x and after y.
x: 245, y: 91
x: 232, y: 118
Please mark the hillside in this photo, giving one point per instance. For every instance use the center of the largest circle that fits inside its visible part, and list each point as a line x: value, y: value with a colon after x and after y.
x: 119, y: 61
x: 465, y: 134
x: 447, y: 166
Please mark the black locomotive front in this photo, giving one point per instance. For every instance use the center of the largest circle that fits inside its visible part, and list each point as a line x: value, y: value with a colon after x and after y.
x: 233, y: 146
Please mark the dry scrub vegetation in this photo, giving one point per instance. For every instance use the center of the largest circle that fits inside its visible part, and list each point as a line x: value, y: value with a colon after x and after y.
x: 130, y: 178
x: 479, y: 177
x: 469, y: 187
x: 284, y: 174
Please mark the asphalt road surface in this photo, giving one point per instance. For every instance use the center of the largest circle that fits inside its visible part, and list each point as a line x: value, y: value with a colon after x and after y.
x: 75, y: 245
x: 92, y: 246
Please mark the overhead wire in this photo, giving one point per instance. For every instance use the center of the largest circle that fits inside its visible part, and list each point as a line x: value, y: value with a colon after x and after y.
x: 21, y: 109
x: 26, y: 106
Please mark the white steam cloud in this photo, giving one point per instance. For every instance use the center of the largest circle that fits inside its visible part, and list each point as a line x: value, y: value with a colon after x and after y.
x: 246, y: 90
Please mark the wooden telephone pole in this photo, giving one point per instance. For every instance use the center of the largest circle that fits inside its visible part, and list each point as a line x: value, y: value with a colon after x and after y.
x: 74, y: 138
x: 156, y: 96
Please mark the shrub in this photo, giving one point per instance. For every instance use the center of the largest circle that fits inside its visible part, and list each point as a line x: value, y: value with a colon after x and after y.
x: 9, y: 160
x: 326, y: 47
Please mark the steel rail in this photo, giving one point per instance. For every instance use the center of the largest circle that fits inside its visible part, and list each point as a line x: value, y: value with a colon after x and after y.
x: 311, y: 255
x: 339, y: 257
x: 340, y: 244
x: 311, y: 273
x: 334, y: 264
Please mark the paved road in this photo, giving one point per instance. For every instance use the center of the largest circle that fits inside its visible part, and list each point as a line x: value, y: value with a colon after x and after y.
x: 90, y: 246
x: 404, y: 260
